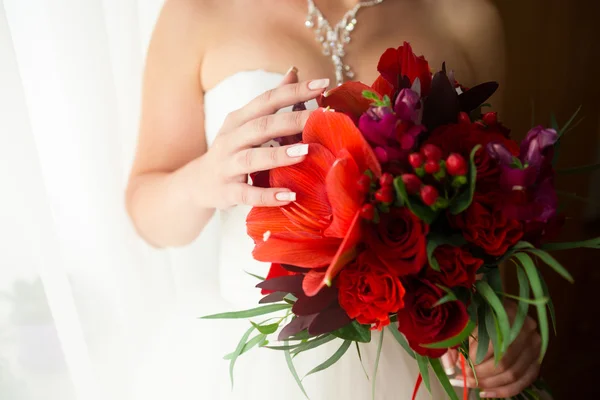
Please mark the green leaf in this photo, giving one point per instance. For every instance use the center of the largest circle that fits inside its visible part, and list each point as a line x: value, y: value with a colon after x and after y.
x: 379, y: 347
x: 304, y: 335
x: 552, y: 263
x: 260, y: 278
x: 579, y: 170
x: 483, y: 339
x: 360, y: 359
x: 355, y: 332
x: 249, y: 313
x: 401, y: 340
x: 465, y: 352
x: 436, y: 365
x: 533, y: 302
x: 569, y: 122
x: 332, y: 360
x: 550, y: 304
x: 266, y: 329
x: 249, y: 345
x: 463, y: 200
x: 523, y: 307
x: 424, y: 213
x: 496, y: 304
x: 434, y: 241
x: 446, y: 299
x: 424, y: 370
x: 553, y: 122
x: 370, y: 95
x: 313, y: 344
x: 295, y: 346
x: 237, y: 352
x: 290, y: 364
x: 453, y: 341
x: 493, y: 329
x: 589, y: 244
x: 538, y: 292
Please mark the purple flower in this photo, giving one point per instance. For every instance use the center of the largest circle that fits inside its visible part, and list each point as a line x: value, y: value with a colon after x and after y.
x: 393, y: 132
x: 531, y: 174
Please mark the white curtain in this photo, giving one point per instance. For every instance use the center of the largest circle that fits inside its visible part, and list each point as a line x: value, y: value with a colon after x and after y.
x: 83, y: 302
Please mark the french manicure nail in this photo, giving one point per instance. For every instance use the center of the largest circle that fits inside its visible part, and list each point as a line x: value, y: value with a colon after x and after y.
x: 292, y: 69
x: 298, y: 150
x: 286, y: 196
x: 457, y: 382
x: 450, y: 371
x: 318, y: 84
x: 488, y: 394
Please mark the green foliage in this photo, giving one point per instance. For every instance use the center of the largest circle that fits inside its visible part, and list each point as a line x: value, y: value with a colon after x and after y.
x: 463, y: 200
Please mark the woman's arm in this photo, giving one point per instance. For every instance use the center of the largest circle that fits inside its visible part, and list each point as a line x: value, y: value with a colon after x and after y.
x: 171, y: 136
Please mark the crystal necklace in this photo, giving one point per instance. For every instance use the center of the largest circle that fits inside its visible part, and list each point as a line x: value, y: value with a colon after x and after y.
x: 334, y: 39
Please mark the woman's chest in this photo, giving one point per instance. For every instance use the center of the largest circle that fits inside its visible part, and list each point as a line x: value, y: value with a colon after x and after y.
x: 282, y: 39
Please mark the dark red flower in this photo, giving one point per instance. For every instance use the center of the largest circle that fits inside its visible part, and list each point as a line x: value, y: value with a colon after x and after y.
x: 397, y: 63
x: 399, y: 241
x: 275, y: 271
x: 369, y: 291
x: 422, y: 323
x: 462, y: 138
x: 458, y: 267
x: 486, y: 225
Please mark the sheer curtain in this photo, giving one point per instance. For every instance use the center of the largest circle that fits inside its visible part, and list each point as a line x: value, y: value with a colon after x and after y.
x: 84, y: 304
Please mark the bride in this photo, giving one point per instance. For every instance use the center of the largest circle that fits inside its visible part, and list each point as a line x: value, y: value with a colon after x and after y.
x: 213, y: 83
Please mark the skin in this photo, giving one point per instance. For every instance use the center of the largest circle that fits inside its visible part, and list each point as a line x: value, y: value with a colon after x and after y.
x: 177, y: 183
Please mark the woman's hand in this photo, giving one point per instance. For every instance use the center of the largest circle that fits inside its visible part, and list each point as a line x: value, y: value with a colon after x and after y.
x: 517, y: 370
x: 221, y: 174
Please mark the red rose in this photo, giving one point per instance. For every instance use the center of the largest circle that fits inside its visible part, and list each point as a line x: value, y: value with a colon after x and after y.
x: 399, y: 241
x: 422, y: 323
x: 457, y: 267
x: 487, y: 226
x: 369, y: 291
x: 396, y: 63
x: 462, y: 138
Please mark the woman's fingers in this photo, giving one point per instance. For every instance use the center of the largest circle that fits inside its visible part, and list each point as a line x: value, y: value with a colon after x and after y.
x: 291, y: 76
x: 265, y: 158
x: 516, y: 386
x: 273, y: 100
x: 263, y: 129
x: 242, y: 193
x: 489, y: 368
x: 449, y: 361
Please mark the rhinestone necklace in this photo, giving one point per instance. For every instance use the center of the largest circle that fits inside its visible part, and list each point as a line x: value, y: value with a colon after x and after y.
x: 334, y: 39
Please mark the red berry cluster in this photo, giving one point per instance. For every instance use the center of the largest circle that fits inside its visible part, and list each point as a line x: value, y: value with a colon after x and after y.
x: 430, y: 167
x: 382, y: 194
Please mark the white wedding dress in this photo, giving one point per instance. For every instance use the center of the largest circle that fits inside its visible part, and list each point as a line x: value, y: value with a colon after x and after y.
x: 189, y: 364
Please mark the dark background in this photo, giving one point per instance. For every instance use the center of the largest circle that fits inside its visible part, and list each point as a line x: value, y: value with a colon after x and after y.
x: 554, y: 61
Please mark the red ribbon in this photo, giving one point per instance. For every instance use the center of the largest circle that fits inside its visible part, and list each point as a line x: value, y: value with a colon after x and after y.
x: 417, y: 385
x: 463, y: 367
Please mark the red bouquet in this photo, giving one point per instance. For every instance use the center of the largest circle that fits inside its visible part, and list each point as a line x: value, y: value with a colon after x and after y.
x: 408, y: 201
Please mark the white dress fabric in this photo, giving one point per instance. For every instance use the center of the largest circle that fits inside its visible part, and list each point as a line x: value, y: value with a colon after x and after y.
x: 196, y: 347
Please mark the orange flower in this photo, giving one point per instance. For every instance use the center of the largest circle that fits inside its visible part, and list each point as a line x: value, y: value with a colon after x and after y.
x: 321, y: 229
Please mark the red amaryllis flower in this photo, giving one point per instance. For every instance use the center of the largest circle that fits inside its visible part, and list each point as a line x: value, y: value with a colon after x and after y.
x: 275, y: 271
x: 322, y: 227
x: 369, y: 291
x: 422, y: 323
x: 485, y: 224
x: 395, y: 64
x: 399, y: 241
x: 458, y: 267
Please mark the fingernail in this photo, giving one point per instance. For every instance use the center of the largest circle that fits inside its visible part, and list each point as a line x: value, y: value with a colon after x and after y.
x: 488, y: 394
x: 292, y: 69
x: 457, y: 382
x: 298, y: 150
x: 318, y: 84
x: 450, y: 371
x: 286, y: 196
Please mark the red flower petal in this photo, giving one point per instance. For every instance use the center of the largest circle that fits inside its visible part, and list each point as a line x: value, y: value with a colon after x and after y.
x: 302, y: 253
x: 343, y: 194
x: 336, y: 131
x: 383, y: 87
x: 346, y: 252
x: 347, y: 98
x: 275, y: 271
